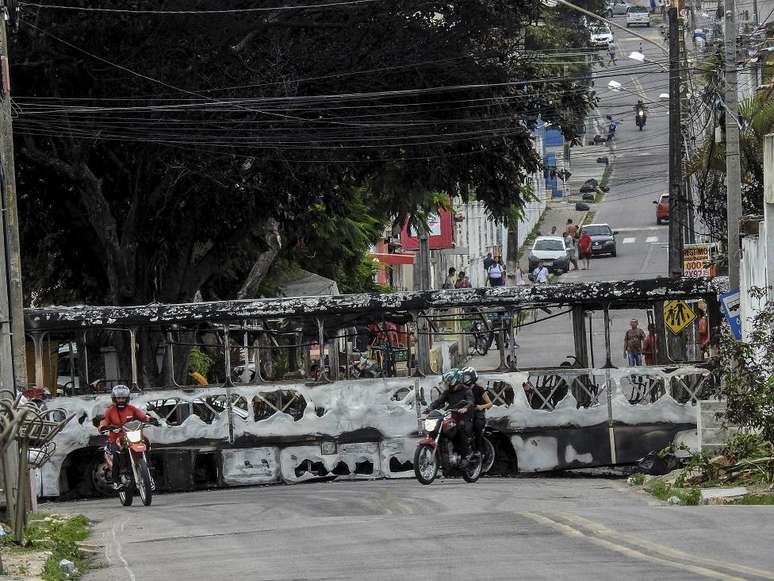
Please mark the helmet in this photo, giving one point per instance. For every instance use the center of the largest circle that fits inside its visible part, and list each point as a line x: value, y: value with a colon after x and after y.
x: 120, y: 396
x: 452, y: 377
x: 469, y: 376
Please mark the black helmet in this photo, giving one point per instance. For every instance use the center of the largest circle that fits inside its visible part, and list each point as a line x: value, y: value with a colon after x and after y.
x: 120, y: 395
x: 469, y: 376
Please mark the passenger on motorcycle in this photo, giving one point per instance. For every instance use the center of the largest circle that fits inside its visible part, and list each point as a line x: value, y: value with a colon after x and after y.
x: 481, y: 403
x: 116, y: 416
x: 458, y: 396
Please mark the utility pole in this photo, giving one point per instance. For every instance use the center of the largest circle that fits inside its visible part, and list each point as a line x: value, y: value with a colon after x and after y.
x: 676, y: 202
x: 422, y: 282
x: 733, y: 159
x: 10, y: 223
x: 13, y: 365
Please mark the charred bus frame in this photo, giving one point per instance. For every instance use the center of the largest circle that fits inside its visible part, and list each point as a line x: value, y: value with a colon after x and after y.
x: 532, y: 402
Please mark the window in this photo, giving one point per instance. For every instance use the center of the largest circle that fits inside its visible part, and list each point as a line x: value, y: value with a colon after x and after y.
x: 598, y: 230
x: 548, y: 245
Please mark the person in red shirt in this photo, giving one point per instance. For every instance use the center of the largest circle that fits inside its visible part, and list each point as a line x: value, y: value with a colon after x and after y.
x: 584, y: 244
x: 116, y: 416
x: 650, y: 347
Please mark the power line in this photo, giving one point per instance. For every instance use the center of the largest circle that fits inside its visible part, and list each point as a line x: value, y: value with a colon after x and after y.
x: 341, y: 3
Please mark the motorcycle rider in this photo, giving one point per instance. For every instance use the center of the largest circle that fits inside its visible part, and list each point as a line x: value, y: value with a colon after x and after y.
x: 640, y: 106
x: 481, y: 403
x: 611, y: 127
x: 116, y: 416
x: 458, y: 396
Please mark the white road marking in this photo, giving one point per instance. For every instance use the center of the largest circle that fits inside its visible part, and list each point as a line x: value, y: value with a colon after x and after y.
x: 117, y: 545
x: 628, y: 240
x: 651, y: 239
x: 640, y: 229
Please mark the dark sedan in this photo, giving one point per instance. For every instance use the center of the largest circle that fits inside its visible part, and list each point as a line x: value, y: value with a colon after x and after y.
x: 602, y: 238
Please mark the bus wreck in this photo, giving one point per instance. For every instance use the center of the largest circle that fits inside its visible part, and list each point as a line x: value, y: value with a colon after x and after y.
x: 272, y: 390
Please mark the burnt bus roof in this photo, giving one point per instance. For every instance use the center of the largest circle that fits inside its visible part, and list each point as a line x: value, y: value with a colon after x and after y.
x: 346, y: 310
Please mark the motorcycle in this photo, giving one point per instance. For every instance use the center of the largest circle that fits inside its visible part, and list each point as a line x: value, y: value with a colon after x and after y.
x: 133, y: 443
x: 436, y: 450
x: 641, y: 118
x: 366, y: 368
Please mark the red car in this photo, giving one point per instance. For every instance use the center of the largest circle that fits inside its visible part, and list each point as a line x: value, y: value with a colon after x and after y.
x: 662, y: 209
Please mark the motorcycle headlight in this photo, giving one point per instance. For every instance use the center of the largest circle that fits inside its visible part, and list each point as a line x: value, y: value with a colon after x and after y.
x: 431, y: 425
x: 134, y: 437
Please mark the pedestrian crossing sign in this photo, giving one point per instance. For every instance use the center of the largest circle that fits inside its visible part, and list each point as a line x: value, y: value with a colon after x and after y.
x: 677, y: 316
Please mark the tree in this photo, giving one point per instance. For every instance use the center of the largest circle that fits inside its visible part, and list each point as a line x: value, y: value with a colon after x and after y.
x: 163, y: 155
x: 708, y: 165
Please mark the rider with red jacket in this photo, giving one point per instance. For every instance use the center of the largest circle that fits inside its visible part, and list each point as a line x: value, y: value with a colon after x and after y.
x: 116, y: 416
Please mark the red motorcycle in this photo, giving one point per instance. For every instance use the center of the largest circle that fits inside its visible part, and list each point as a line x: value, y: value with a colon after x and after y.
x: 133, y: 443
x: 436, y: 449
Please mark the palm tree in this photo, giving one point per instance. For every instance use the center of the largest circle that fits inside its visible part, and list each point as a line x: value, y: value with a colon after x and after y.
x: 708, y: 164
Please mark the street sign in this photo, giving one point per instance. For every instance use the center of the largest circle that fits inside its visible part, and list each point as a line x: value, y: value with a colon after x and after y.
x: 698, y: 260
x: 729, y: 304
x: 677, y: 316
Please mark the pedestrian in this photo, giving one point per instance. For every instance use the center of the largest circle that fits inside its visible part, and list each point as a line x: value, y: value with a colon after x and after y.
x: 569, y: 242
x: 487, y: 263
x: 540, y: 274
x: 584, y: 245
x: 611, y: 53
x: 571, y: 228
x: 450, y: 280
x: 661, y: 7
x: 652, y: 6
x: 703, y: 328
x: 496, y: 273
x: 462, y: 280
x: 650, y: 348
x: 634, y: 341
x: 553, y: 230
x: 521, y: 280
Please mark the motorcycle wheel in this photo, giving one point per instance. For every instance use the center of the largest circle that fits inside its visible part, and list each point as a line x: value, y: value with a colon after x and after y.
x: 144, y: 486
x: 488, y: 457
x: 126, y: 496
x: 425, y: 464
x: 472, y: 472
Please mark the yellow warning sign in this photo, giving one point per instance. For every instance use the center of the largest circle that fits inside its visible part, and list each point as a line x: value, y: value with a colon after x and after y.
x: 677, y: 316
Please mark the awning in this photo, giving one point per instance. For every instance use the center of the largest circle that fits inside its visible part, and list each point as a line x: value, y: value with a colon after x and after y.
x: 388, y: 258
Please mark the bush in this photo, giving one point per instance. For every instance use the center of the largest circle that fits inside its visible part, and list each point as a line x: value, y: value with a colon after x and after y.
x: 748, y: 373
x: 747, y: 445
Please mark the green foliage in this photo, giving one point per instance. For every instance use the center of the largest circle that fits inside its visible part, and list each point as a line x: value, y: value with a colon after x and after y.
x: 748, y: 375
x: 756, y: 115
x: 198, y: 362
x: 60, y: 535
x: 663, y: 491
x: 698, y: 466
x: 745, y: 445
x: 756, y: 499
x: 315, y: 128
x: 638, y: 479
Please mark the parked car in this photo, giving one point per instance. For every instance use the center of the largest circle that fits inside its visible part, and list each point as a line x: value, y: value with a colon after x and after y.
x: 601, y: 36
x: 602, y: 238
x: 662, y: 209
x: 552, y: 251
x: 616, y: 7
x: 637, y: 16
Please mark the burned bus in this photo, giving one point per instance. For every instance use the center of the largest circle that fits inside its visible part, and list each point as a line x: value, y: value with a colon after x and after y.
x: 291, y: 389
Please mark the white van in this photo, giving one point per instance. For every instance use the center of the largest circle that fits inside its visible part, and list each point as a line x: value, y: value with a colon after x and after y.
x: 637, y: 16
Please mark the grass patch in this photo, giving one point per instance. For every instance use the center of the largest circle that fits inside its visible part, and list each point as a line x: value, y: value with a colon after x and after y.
x: 60, y: 535
x: 638, y: 479
x: 756, y: 499
x: 662, y: 491
x: 588, y: 218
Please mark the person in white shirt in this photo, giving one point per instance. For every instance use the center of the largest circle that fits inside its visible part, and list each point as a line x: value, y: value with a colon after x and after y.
x: 540, y: 274
x: 496, y: 273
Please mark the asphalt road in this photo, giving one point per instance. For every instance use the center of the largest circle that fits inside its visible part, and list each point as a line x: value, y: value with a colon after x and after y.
x: 640, y: 174
x: 515, y: 528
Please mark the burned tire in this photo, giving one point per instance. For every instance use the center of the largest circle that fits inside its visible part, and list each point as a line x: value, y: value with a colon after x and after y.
x: 99, y: 478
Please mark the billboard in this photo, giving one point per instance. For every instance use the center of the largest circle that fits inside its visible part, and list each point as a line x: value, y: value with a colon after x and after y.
x: 440, y: 232
x: 698, y: 260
